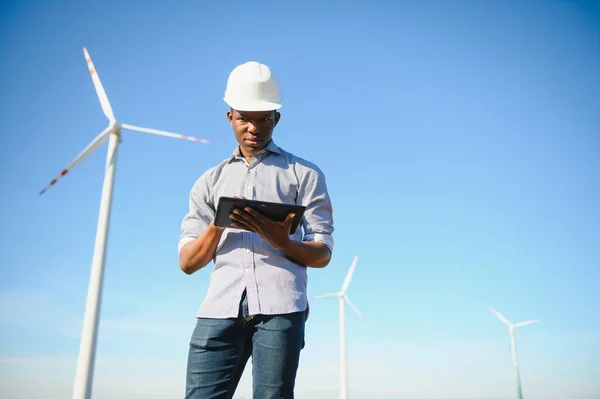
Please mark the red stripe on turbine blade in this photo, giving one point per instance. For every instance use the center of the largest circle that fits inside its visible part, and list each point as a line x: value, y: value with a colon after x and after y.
x: 64, y: 172
x: 92, y: 71
x: 183, y: 136
x: 52, y: 182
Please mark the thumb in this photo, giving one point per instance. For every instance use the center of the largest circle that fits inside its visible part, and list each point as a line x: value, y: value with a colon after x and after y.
x: 290, y: 218
x: 288, y: 222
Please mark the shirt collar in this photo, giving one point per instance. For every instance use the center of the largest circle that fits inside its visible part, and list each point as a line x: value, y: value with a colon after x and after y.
x: 271, y: 147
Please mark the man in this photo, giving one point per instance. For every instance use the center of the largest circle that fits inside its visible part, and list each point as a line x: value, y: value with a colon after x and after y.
x: 256, y: 303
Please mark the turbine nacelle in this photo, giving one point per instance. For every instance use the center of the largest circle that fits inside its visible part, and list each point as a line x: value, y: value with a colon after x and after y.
x: 342, y: 294
x: 510, y: 325
x: 115, y: 127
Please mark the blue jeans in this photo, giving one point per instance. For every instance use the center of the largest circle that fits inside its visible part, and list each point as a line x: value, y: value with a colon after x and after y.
x: 220, y: 348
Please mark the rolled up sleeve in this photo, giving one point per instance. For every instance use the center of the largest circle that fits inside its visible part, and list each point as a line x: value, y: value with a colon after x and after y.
x: 318, y: 217
x: 200, y: 214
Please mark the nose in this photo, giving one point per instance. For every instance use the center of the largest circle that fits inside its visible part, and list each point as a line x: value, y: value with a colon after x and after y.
x: 252, y: 128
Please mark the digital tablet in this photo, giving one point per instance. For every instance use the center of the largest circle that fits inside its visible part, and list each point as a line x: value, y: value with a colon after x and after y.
x: 273, y: 210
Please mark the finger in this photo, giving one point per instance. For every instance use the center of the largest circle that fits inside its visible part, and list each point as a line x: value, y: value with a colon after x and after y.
x: 241, y: 216
x: 290, y: 218
x: 256, y: 217
x: 288, y: 222
x: 241, y: 225
x: 244, y: 219
x: 239, y: 197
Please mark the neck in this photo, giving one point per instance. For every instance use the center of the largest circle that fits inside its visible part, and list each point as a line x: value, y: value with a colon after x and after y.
x: 248, y: 155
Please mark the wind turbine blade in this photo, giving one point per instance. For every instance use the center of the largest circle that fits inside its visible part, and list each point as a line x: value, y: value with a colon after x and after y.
x: 325, y: 296
x: 501, y: 317
x: 98, y: 86
x: 163, y: 133
x: 349, y: 275
x: 352, y: 306
x: 97, y: 142
x: 525, y: 323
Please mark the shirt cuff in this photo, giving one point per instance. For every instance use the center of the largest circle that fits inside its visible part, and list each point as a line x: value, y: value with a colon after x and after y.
x: 326, y: 239
x: 184, y: 240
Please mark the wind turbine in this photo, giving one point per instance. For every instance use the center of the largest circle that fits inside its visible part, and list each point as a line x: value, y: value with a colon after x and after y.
x: 513, y: 347
x: 343, y: 298
x: 87, y: 351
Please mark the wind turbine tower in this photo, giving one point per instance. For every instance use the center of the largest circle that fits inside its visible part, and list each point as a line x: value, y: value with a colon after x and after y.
x: 343, y: 298
x: 87, y: 351
x: 513, y: 347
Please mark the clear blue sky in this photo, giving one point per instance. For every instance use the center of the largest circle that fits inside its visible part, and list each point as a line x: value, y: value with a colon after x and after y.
x: 460, y: 140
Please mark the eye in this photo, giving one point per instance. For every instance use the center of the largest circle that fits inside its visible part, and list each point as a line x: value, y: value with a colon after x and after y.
x: 265, y: 119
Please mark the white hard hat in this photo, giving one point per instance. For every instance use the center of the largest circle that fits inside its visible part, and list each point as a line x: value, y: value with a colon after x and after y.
x: 252, y: 87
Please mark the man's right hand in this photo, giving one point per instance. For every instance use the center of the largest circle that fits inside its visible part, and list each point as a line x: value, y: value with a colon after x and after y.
x: 198, y: 253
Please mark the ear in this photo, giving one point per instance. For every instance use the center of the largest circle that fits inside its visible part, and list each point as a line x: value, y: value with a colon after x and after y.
x: 230, y: 117
x: 277, y: 116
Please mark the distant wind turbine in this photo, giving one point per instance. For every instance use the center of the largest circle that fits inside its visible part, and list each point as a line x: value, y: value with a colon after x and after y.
x: 513, y: 347
x: 87, y: 351
x: 343, y: 298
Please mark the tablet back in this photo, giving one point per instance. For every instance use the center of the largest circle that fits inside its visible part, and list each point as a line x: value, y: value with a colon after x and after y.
x: 273, y: 210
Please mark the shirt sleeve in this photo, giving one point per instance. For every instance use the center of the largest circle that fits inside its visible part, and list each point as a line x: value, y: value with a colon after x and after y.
x: 201, y: 211
x: 318, y: 217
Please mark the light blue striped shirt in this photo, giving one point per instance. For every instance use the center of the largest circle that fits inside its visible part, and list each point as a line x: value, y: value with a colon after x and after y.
x: 243, y: 260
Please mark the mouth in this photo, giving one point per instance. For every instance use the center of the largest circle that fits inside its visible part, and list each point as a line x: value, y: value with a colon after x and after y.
x: 253, y: 140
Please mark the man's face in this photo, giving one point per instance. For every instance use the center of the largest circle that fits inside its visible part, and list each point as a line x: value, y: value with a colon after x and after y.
x: 253, y: 129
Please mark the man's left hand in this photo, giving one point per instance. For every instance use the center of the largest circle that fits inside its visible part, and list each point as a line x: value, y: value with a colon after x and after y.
x: 275, y: 233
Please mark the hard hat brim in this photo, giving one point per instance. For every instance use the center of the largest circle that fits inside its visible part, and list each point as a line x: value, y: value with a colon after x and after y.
x: 253, y: 106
